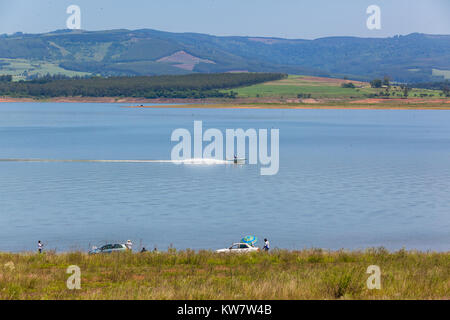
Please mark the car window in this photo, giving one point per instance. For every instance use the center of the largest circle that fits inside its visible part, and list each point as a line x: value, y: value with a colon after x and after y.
x: 118, y: 246
x: 235, y: 246
x: 106, y: 247
x: 243, y: 246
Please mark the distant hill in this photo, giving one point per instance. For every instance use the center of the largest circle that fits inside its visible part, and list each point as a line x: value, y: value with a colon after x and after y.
x: 411, y: 58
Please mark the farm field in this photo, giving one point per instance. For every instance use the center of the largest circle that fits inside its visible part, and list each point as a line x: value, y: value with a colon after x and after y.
x: 21, y: 68
x: 444, y: 73
x: 321, y: 88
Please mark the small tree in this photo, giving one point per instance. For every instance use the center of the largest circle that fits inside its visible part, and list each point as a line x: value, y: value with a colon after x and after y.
x: 6, y: 78
x: 406, y: 90
x: 387, y: 81
x: 348, y: 85
x: 446, y: 91
x: 376, y: 83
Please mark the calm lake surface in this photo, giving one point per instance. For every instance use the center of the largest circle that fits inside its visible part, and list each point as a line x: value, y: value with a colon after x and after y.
x: 347, y: 179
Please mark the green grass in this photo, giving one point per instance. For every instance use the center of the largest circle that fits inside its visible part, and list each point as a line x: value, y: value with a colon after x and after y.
x: 19, y: 67
x: 265, y: 91
x: 444, y: 73
x: 306, y: 274
x: 321, y: 88
x: 294, y: 85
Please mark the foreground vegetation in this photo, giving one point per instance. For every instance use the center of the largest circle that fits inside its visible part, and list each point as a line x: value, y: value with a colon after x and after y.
x: 306, y: 274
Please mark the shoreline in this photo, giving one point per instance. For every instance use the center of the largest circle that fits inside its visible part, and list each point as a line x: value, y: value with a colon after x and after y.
x: 52, y: 251
x: 292, y: 107
x: 97, y: 100
x: 244, y: 103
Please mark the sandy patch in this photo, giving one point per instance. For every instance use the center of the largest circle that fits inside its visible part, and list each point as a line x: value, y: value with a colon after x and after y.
x: 281, y: 106
x: 398, y: 100
x: 15, y: 99
x: 184, y: 60
x: 310, y: 101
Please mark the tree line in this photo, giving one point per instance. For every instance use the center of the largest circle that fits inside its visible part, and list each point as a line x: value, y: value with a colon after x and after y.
x: 6, y: 78
x: 444, y: 86
x: 170, y: 86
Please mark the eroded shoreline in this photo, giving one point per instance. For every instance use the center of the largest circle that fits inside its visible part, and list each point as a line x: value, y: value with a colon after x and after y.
x: 365, y: 104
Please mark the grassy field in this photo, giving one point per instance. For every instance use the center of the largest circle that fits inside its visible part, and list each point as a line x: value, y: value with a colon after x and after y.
x: 19, y: 68
x: 320, y: 88
x: 444, y: 73
x: 311, y: 89
x: 293, y: 85
x: 306, y: 274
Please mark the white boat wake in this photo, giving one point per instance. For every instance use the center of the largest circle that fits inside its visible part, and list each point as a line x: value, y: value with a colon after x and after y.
x: 204, y: 161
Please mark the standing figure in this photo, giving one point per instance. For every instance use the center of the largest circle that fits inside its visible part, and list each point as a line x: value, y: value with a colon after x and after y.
x: 266, y: 244
x: 129, y: 244
x: 40, y: 246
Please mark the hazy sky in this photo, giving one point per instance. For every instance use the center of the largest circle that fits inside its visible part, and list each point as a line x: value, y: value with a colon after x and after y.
x: 272, y: 18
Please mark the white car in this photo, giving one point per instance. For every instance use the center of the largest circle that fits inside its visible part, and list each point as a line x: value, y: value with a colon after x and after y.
x: 238, y: 248
x: 109, y: 248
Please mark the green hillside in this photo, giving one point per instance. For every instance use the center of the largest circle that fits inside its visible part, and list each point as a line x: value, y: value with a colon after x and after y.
x: 411, y: 58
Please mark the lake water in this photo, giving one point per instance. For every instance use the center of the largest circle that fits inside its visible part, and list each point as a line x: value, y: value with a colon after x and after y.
x: 347, y: 179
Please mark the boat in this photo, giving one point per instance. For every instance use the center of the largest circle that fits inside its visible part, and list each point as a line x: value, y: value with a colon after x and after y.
x: 237, y: 160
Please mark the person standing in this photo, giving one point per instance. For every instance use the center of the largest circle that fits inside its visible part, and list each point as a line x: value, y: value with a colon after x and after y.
x: 40, y: 246
x: 266, y: 245
x: 129, y: 244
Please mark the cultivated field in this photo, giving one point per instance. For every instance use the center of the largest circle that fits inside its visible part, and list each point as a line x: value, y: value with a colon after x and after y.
x: 20, y: 68
x: 320, y: 88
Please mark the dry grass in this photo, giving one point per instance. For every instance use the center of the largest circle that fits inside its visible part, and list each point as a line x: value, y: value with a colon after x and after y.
x: 307, y: 274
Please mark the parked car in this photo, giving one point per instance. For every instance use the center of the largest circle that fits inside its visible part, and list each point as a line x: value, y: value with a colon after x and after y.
x: 238, y: 248
x: 108, y: 248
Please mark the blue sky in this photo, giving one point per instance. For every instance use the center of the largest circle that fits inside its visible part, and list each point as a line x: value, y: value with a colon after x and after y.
x: 306, y: 19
